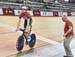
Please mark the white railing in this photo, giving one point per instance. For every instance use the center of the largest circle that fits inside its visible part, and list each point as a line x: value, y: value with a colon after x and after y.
x: 9, y: 3
x: 29, y: 2
x: 34, y: 4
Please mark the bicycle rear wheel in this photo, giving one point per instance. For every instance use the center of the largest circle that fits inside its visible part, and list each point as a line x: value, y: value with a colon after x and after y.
x: 32, y: 41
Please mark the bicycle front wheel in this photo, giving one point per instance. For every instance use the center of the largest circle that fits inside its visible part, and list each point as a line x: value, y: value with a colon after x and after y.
x: 20, y: 43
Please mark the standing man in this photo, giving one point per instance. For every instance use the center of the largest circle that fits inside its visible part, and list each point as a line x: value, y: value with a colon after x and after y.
x: 68, y: 34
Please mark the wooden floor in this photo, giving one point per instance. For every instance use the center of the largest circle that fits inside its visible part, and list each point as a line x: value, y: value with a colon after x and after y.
x: 49, y: 27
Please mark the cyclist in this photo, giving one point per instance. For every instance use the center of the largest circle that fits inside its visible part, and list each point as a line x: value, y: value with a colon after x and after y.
x: 26, y: 16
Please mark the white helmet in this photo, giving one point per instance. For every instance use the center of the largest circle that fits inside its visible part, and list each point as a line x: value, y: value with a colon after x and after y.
x: 24, y: 7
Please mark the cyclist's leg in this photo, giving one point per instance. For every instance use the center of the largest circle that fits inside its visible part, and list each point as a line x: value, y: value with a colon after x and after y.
x: 25, y: 24
x: 30, y: 23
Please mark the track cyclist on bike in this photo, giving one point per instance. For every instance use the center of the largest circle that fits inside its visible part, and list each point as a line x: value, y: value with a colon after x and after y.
x: 27, y: 19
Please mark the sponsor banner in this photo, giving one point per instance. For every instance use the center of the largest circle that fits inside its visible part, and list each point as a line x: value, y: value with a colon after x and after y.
x: 46, y: 13
x: 65, y: 13
x: 17, y: 12
x: 55, y: 14
x: 50, y: 13
x: 1, y: 12
x: 68, y: 13
x: 8, y: 11
x: 36, y: 13
x: 43, y: 13
x: 73, y: 13
x: 31, y: 13
x: 60, y: 13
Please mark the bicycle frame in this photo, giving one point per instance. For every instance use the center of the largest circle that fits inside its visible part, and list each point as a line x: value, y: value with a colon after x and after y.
x: 30, y: 39
x: 25, y: 33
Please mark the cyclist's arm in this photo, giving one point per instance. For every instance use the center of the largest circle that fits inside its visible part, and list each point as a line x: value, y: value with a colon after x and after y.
x: 18, y: 24
x: 30, y: 21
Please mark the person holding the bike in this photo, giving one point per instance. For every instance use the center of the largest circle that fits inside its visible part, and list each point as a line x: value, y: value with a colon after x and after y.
x: 26, y: 16
x: 68, y: 34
